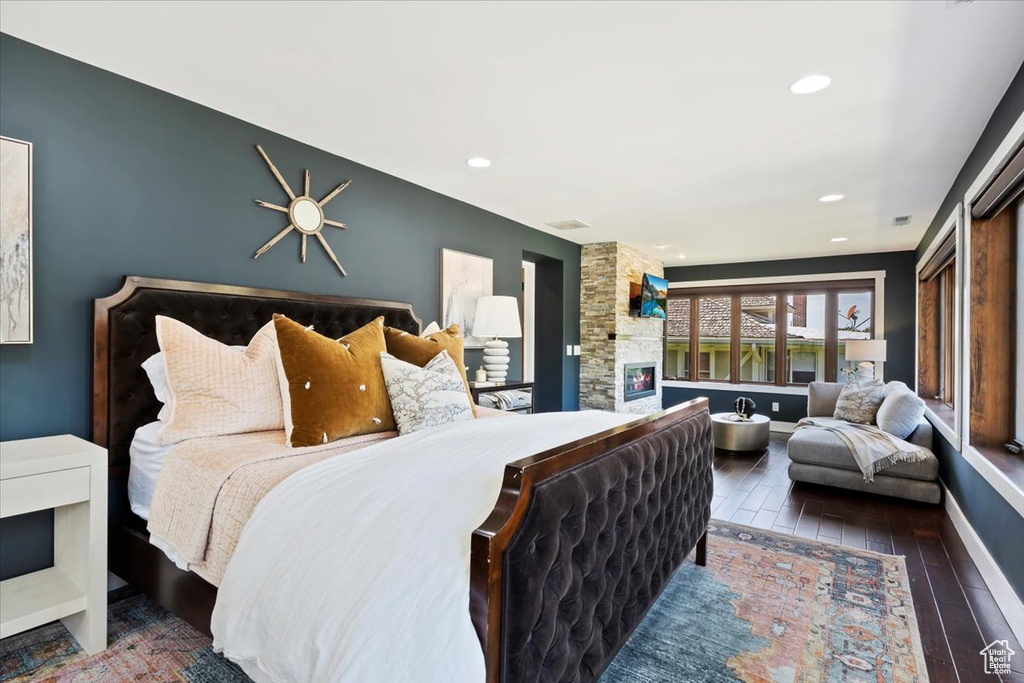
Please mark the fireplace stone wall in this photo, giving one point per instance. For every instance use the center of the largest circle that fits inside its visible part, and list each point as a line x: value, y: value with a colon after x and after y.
x: 606, y: 269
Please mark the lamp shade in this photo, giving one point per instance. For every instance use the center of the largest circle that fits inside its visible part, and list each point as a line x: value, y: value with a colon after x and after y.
x: 497, y: 316
x: 865, y: 349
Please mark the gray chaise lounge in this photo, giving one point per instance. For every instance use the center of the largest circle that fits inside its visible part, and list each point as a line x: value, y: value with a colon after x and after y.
x: 821, y: 457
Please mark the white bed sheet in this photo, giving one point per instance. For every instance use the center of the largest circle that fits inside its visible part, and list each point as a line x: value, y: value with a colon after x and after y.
x: 357, y: 568
x: 147, y: 458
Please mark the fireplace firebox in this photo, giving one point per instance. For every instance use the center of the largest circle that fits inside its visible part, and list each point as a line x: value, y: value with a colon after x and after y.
x: 639, y: 381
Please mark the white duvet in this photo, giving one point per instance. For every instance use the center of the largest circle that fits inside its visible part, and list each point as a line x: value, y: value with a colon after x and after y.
x: 357, y: 568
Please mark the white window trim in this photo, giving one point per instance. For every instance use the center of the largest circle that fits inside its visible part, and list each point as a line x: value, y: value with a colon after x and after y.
x: 1010, y: 491
x: 879, y: 298
x: 953, y: 223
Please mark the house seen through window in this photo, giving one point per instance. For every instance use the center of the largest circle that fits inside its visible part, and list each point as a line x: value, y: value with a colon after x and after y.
x: 785, y: 335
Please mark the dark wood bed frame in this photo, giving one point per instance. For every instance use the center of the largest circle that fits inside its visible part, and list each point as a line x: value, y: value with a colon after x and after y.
x: 665, y: 436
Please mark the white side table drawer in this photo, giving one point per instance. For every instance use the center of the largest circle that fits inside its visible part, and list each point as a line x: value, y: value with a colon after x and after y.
x: 43, y: 491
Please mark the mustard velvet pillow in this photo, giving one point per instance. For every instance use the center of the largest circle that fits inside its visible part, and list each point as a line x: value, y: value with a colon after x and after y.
x: 420, y: 350
x: 330, y: 388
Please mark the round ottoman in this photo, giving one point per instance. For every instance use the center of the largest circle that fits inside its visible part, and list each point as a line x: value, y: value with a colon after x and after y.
x: 731, y: 434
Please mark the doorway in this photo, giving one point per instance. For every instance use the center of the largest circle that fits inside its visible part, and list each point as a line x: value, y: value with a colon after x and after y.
x: 547, y: 333
x: 528, y: 306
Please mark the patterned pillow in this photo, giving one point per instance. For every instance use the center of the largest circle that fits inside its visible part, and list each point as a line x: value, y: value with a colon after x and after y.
x: 859, y: 401
x: 425, y: 397
x: 420, y: 349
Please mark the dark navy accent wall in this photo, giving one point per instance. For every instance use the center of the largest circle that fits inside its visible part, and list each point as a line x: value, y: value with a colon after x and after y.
x: 792, y: 407
x: 900, y: 297
x: 132, y: 180
x: 999, y: 526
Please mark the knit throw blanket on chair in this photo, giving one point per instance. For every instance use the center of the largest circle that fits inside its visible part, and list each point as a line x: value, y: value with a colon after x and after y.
x: 872, y: 448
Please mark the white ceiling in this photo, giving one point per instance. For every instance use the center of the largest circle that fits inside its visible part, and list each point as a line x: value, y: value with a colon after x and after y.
x: 654, y: 122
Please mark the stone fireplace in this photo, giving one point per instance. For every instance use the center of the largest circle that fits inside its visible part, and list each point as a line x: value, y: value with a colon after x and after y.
x: 620, y: 356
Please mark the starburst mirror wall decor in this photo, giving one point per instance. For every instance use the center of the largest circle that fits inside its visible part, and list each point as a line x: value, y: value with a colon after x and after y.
x: 305, y: 214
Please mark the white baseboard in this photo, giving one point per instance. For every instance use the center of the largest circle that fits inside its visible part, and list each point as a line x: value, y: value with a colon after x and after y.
x: 782, y: 427
x: 1002, y: 591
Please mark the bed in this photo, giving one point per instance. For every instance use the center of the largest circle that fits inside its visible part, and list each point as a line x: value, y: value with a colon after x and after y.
x: 622, y: 507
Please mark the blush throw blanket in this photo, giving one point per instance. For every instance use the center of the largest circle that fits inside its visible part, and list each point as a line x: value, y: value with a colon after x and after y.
x: 209, y: 487
x: 872, y: 448
x: 357, y: 568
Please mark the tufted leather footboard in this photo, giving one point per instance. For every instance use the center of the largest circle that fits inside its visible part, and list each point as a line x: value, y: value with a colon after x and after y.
x: 582, y: 540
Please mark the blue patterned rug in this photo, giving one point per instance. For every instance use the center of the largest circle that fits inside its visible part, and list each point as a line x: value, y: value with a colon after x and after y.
x: 773, y: 607
x: 768, y: 607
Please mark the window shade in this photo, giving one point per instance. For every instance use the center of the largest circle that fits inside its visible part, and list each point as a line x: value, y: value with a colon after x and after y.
x: 1004, y: 188
x: 942, y: 257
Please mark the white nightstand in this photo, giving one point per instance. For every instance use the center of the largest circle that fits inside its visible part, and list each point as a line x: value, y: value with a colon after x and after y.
x: 69, y: 475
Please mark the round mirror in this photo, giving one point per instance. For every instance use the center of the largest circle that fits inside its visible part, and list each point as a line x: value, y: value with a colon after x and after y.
x: 306, y: 215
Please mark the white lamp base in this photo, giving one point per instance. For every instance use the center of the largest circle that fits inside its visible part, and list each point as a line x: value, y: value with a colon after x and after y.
x: 496, y: 360
x: 865, y: 371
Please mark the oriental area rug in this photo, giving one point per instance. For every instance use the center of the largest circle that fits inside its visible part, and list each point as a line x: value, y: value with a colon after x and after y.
x: 767, y: 608
x: 777, y: 608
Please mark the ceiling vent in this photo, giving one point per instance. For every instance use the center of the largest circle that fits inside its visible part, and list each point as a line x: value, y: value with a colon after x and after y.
x: 900, y: 221
x: 572, y: 224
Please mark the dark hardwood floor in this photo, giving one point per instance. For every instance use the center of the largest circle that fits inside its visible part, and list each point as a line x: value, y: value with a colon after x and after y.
x: 956, y: 612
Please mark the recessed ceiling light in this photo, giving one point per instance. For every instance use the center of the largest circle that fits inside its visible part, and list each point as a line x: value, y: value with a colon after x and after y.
x: 681, y: 255
x: 831, y: 198
x: 478, y: 162
x: 661, y: 246
x: 839, y: 239
x: 810, y: 84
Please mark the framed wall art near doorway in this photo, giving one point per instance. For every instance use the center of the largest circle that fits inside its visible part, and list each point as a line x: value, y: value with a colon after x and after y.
x: 464, y: 279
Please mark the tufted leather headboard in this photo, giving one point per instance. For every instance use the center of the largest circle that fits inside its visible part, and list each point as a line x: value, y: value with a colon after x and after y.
x: 124, y: 335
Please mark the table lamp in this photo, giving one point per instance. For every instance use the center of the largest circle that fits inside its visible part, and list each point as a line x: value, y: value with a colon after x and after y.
x: 866, y: 351
x: 496, y: 316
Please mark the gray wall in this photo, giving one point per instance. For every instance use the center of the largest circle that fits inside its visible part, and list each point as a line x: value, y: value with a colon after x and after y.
x: 132, y: 180
x: 900, y: 295
x: 999, y: 526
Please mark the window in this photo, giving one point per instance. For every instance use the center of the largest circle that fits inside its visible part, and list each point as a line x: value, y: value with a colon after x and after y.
x: 938, y: 327
x: 947, y: 330
x: 854, y: 322
x: 757, y: 338
x: 1019, y: 417
x: 677, y: 339
x: 714, y: 321
x: 805, y: 339
x: 775, y: 334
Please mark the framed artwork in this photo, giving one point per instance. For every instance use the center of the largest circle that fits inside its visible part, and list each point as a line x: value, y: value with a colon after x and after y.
x: 464, y: 279
x: 15, y: 241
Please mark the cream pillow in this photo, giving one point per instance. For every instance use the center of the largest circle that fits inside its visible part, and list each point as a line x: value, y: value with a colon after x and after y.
x: 214, y: 389
x: 900, y: 412
x: 156, y: 371
x: 425, y: 397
